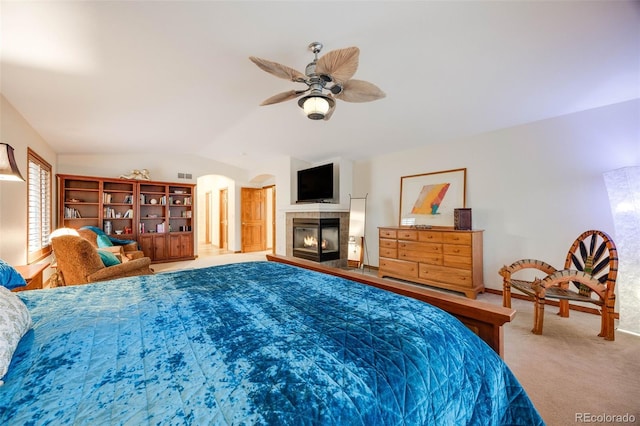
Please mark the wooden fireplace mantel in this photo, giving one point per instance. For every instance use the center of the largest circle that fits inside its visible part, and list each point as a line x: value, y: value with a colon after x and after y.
x: 482, y: 318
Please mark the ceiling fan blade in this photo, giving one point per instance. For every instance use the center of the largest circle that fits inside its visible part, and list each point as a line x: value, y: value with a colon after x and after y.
x: 340, y: 64
x: 278, y: 70
x: 360, y: 91
x: 281, y: 97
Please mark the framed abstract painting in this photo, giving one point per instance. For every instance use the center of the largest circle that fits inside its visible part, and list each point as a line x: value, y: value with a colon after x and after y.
x: 430, y: 198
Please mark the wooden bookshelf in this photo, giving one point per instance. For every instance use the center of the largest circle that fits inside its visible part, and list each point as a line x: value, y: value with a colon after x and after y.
x: 159, y: 215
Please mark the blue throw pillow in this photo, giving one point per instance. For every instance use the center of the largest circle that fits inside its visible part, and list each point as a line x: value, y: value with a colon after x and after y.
x: 103, y: 241
x: 108, y: 258
x: 9, y: 277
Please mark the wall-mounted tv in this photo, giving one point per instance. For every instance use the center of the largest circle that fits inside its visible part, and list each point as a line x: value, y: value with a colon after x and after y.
x: 315, y: 185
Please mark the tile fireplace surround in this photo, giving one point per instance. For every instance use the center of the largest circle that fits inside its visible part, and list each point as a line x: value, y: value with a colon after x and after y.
x: 344, y: 232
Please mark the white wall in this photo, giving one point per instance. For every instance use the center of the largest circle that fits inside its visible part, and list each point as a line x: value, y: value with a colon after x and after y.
x: 532, y: 188
x: 17, y: 132
x: 162, y: 166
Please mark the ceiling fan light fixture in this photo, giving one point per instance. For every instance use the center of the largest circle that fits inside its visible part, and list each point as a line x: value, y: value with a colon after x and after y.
x: 336, y: 67
x: 316, y: 106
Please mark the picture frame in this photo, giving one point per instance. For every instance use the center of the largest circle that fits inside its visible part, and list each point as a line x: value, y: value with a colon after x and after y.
x: 429, y: 199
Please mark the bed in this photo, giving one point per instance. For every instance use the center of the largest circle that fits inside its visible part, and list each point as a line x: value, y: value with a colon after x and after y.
x: 255, y: 343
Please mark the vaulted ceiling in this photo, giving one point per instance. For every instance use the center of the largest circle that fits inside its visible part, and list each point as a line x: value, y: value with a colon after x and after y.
x: 135, y: 76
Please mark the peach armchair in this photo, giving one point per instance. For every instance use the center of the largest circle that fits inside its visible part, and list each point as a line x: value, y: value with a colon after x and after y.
x: 79, y: 262
x: 125, y: 249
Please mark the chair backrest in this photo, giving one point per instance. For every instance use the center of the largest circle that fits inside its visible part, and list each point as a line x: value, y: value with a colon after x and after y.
x: 93, y: 233
x: 595, y: 253
x: 89, y: 235
x: 76, y: 258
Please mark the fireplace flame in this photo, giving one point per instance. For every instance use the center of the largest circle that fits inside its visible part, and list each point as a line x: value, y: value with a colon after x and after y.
x: 311, y: 241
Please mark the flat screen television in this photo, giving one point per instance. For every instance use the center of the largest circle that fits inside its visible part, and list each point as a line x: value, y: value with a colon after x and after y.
x: 315, y: 185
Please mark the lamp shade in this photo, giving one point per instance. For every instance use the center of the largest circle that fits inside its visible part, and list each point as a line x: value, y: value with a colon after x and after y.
x: 63, y: 231
x: 316, y: 105
x: 623, y: 188
x: 8, y: 167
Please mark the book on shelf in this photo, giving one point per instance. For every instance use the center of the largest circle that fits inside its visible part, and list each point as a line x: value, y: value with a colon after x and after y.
x: 128, y: 214
x: 106, y: 198
x: 111, y: 213
x: 71, y: 213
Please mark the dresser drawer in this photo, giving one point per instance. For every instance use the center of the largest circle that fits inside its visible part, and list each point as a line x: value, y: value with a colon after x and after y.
x: 456, y: 238
x: 416, y: 246
x: 388, y: 233
x: 420, y: 252
x: 456, y: 250
x: 443, y: 274
x: 430, y: 236
x: 461, y: 262
x: 408, y: 234
x: 388, y: 243
x: 433, y: 258
x: 389, y: 252
x: 398, y: 267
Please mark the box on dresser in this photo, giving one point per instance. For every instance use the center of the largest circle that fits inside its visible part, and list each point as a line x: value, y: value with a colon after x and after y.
x: 439, y: 257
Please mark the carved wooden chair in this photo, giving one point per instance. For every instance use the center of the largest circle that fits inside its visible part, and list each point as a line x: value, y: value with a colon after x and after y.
x: 589, y: 275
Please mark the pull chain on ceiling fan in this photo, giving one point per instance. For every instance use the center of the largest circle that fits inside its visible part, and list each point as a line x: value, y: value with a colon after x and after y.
x: 332, y: 73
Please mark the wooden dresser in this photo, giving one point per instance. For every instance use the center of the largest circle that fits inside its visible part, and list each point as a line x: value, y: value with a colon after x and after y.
x: 438, y: 257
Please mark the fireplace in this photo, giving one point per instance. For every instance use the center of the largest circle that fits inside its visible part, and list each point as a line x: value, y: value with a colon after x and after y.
x: 316, y: 239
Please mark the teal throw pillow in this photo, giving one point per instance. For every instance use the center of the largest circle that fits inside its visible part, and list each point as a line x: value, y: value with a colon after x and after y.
x: 9, y: 277
x: 108, y: 258
x: 103, y: 241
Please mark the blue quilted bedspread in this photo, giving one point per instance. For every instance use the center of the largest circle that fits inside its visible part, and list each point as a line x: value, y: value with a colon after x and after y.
x: 247, y: 344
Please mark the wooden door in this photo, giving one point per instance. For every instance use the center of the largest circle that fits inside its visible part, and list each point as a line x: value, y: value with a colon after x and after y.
x: 253, y: 211
x: 273, y: 219
x: 224, y: 219
x: 207, y: 218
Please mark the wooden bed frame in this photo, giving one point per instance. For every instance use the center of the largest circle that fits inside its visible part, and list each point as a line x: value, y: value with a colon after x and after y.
x: 483, y: 319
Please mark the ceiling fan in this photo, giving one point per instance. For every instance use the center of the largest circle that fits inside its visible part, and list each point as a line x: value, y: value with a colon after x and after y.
x: 332, y: 73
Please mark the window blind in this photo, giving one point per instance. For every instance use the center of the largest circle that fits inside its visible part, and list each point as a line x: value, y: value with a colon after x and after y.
x: 39, y: 199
